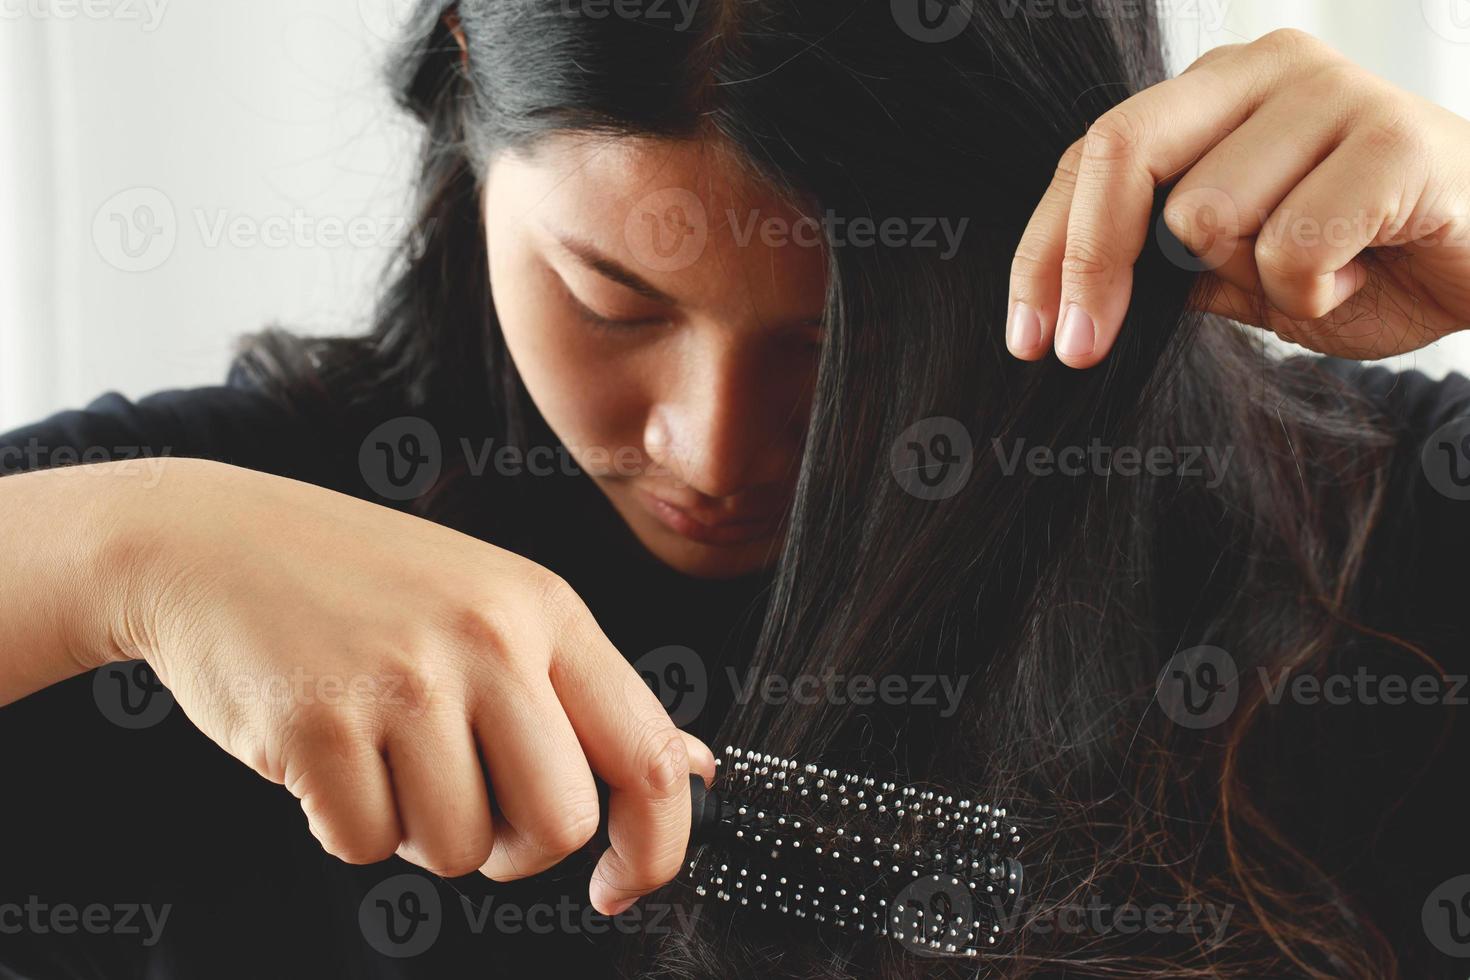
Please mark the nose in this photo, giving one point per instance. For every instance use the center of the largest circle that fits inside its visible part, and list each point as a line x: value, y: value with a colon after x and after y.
x: 719, y: 426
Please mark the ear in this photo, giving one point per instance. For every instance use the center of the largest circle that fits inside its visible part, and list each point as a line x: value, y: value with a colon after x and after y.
x: 451, y: 20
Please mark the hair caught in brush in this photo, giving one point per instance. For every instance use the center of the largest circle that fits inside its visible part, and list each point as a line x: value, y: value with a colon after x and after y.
x: 1059, y: 598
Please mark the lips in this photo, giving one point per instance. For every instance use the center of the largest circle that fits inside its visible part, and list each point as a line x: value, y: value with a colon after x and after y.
x: 709, y: 527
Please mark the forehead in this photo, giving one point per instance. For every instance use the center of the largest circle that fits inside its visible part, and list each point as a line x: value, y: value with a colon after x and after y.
x: 680, y: 212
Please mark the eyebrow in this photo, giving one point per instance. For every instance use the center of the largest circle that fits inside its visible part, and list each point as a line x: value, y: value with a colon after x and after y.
x: 616, y: 271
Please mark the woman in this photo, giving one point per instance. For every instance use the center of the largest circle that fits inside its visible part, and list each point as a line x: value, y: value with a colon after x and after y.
x: 701, y: 309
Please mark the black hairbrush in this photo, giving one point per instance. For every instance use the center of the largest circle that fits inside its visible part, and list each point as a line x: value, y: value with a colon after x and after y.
x: 856, y: 853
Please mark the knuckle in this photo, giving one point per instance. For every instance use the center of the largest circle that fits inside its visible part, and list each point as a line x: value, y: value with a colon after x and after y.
x: 353, y: 848
x: 363, y: 851
x: 485, y: 636
x: 553, y: 591
x: 457, y: 861
x: 1031, y: 261
x: 1070, y: 163
x: 312, y: 732
x: 1214, y: 54
x: 1086, y: 259
x: 569, y: 831
x: 1277, y: 260
x: 556, y: 599
x: 1392, y: 136
x: 663, y: 759
x: 479, y: 627
x: 1292, y: 41
x: 1114, y: 136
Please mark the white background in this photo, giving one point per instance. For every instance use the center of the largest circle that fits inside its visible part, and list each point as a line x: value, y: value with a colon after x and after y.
x: 266, y: 122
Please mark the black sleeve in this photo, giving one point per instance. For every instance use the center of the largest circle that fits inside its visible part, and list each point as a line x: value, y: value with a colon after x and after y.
x: 228, y: 423
x: 111, y: 817
x: 1399, y: 758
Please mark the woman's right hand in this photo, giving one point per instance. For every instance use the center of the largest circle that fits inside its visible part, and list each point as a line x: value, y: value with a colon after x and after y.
x: 380, y: 667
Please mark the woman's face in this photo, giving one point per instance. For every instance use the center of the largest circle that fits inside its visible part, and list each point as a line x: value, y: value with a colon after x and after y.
x: 664, y: 312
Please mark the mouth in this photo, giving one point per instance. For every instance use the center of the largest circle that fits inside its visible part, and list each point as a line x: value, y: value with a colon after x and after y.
x: 723, y: 529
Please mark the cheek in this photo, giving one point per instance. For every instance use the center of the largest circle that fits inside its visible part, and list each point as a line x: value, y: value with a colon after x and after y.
x: 589, y: 396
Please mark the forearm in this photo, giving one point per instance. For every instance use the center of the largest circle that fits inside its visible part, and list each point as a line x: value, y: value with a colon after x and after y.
x: 62, y: 573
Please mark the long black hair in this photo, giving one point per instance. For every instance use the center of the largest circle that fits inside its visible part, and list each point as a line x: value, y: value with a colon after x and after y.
x: 1060, y: 599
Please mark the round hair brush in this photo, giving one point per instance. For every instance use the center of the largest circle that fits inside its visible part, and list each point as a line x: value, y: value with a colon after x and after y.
x: 938, y: 875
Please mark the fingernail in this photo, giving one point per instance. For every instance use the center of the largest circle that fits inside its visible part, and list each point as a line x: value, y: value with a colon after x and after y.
x: 1076, y: 335
x: 1024, y: 330
x: 1344, y: 283
x: 602, y: 898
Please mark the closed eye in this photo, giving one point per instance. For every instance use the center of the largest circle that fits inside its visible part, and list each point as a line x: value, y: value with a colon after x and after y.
x: 590, y: 316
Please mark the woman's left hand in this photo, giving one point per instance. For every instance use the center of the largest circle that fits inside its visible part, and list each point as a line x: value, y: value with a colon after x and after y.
x: 1324, y: 203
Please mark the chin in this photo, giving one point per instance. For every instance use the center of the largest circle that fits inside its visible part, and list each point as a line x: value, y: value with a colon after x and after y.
x: 707, y: 561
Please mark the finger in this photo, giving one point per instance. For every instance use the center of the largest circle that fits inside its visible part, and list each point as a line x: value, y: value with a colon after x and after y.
x: 1035, y: 284
x: 1145, y: 140
x: 442, y: 799
x: 632, y: 744
x: 701, y: 759
x: 1212, y: 55
x: 543, y: 786
x: 337, y: 771
x: 1305, y: 253
x: 1245, y: 304
x: 1228, y: 195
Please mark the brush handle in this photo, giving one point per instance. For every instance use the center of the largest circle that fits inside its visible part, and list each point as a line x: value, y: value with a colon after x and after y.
x: 704, y: 811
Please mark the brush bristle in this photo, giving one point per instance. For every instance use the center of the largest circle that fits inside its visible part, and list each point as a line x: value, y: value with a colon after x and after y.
x: 939, y: 876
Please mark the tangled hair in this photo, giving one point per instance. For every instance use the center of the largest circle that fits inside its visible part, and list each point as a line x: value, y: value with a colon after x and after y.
x: 1061, y: 599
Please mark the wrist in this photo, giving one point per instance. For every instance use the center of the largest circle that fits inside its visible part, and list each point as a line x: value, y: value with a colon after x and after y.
x: 121, y: 563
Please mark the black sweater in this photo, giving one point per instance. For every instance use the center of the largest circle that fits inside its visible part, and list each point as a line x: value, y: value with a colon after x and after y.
x: 132, y: 846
